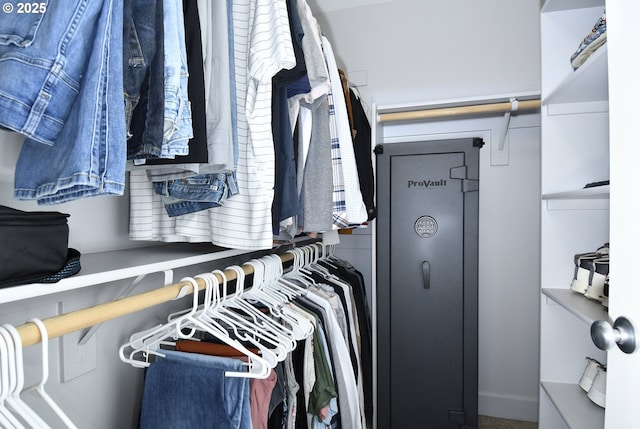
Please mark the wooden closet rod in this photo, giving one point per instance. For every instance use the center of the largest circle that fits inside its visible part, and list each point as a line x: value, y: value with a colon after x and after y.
x: 444, y: 112
x: 87, y: 317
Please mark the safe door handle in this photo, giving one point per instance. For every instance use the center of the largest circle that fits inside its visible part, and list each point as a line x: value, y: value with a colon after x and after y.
x: 426, y: 274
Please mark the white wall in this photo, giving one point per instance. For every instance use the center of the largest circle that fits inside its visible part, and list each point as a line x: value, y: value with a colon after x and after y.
x: 405, y: 51
x: 417, y: 50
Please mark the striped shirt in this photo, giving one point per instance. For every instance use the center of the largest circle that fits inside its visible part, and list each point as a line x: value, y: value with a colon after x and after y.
x: 262, y: 46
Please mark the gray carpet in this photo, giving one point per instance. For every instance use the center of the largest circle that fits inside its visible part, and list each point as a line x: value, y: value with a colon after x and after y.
x: 485, y: 422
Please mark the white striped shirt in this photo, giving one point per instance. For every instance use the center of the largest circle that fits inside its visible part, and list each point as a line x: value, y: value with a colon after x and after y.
x: 263, y: 46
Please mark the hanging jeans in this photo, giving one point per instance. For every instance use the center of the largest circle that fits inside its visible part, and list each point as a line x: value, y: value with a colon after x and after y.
x: 143, y: 69
x: 190, y: 390
x: 195, y: 193
x: 89, y: 154
x: 43, y: 59
x: 178, y: 126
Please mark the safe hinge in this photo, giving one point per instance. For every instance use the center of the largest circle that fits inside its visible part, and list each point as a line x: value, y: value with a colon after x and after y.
x: 457, y: 417
x: 468, y: 185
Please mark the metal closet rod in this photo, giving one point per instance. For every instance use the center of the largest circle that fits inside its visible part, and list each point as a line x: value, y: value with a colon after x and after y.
x: 87, y: 317
x: 443, y: 112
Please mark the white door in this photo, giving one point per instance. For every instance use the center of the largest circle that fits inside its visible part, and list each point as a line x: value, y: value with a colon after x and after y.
x: 623, y: 370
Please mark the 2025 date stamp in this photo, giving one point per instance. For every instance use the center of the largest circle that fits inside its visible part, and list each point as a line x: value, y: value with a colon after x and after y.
x: 29, y: 7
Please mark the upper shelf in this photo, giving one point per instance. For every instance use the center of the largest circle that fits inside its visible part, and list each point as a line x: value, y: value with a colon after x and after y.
x: 596, y: 192
x: 596, y: 198
x: 583, y: 308
x: 102, y: 267
x: 557, y: 5
x: 587, y: 83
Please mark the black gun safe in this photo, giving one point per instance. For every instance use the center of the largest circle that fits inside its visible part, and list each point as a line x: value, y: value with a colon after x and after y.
x: 427, y: 284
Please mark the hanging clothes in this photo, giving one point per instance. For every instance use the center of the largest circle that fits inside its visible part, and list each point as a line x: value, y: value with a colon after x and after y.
x: 319, y: 382
x: 244, y: 222
x: 362, y: 149
x: 184, y: 106
x: 65, y: 159
x: 231, y: 110
x: 181, y: 389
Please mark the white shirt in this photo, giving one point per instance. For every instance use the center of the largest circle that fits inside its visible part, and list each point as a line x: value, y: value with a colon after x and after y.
x: 356, y: 209
x: 217, y: 84
x: 263, y: 46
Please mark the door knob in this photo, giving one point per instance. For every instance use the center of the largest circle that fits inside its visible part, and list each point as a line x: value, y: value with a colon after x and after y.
x: 622, y: 333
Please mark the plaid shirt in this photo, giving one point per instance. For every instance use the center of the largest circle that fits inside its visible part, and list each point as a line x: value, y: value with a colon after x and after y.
x: 339, y: 211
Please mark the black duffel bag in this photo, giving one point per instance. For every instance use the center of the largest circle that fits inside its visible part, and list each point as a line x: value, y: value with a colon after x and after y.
x: 33, y: 246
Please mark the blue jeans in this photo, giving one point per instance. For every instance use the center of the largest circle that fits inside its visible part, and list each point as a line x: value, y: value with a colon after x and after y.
x: 43, y: 59
x: 89, y: 155
x: 143, y: 69
x: 190, y: 390
x: 195, y: 193
x: 234, y: 101
x: 178, y: 127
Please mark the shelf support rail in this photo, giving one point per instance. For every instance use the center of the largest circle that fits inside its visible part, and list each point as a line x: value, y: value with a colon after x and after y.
x: 168, y: 279
x: 506, y: 121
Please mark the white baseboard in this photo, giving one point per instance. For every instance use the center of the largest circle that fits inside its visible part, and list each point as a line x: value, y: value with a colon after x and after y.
x: 508, y: 407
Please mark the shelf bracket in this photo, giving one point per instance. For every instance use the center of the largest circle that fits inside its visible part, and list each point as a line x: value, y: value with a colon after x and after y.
x: 168, y: 279
x: 500, y: 154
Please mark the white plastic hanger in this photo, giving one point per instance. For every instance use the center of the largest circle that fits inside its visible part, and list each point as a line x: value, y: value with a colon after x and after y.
x: 275, y: 284
x: 273, y: 298
x: 145, y: 343
x: 39, y: 388
x: 272, y: 303
x: 17, y: 343
x: 284, y: 283
x: 255, y: 327
x: 13, y: 401
x: 7, y: 418
x: 298, y: 271
x: 258, y: 367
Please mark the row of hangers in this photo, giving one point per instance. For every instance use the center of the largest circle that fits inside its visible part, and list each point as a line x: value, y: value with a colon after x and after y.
x: 257, y: 317
x: 260, y: 317
x: 15, y: 413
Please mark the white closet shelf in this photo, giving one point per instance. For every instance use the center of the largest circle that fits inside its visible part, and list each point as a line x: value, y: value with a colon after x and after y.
x: 596, y: 198
x: 582, y: 307
x: 102, y: 267
x: 574, y: 406
x: 596, y: 192
x: 558, y: 5
x: 584, y: 84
